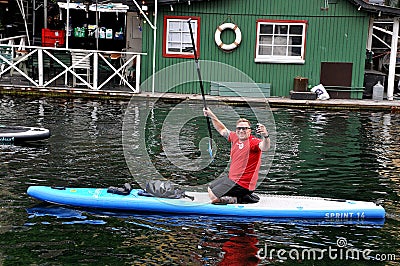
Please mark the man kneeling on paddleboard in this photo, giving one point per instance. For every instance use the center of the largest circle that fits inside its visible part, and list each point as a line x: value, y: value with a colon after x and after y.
x: 245, y: 156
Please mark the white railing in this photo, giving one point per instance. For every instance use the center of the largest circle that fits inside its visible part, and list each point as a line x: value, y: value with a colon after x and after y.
x: 94, y: 69
x: 7, y: 53
x: 12, y: 40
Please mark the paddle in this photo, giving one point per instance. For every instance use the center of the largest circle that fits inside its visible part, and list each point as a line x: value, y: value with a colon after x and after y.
x: 201, y: 87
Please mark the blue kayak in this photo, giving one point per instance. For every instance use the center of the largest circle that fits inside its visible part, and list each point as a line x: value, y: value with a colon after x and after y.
x: 269, y: 206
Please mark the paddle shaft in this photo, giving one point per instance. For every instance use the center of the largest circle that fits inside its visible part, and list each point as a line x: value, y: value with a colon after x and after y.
x: 200, y: 81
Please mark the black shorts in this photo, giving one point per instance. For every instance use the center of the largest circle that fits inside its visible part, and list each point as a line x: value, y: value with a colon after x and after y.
x: 223, y: 186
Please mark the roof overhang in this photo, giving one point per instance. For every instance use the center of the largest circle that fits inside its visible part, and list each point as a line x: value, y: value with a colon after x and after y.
x: 105, y: 4
x: 110, y: 7
x: 377, y: 9
x: 170, y: 2
x: 367, y: 7
x: 364, y: 6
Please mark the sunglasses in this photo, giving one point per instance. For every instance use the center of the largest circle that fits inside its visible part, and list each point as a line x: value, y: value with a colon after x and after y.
x: 242, y: 128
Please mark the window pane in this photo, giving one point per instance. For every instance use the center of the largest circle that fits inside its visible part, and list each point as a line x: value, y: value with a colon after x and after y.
x: 265, y: 39
x: 280, y: 40
x: 266, y: 29
x: 174, y: 37
x: 187, y: 47
x: 296, y: 30
x: 174, y: 26
x: 185, y: 26
x: 279, y: 50
x: 174, y: 47
x: 281, y: 29
x: 265, y: 50
x: 187, y: 38
x: 295, y: 51
x: 295, y: 40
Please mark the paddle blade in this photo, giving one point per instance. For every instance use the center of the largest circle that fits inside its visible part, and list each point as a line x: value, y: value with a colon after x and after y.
x: 210, y: 151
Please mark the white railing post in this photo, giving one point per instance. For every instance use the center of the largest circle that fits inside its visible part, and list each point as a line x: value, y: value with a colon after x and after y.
x: 393, y: 59
x: 137, y: 72
x: 95, y: 70
x: 40, y: 67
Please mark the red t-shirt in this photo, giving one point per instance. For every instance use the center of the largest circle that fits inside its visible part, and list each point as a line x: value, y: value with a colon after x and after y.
x: 245, y: 161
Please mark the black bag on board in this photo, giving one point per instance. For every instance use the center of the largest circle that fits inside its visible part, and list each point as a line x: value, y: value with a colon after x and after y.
x: 164, y: 189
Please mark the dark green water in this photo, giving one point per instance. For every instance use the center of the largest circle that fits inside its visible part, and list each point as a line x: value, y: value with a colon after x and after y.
x: 342, y: 154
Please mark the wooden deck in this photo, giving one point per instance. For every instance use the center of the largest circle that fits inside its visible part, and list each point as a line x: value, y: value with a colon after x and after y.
x: 123, y: 93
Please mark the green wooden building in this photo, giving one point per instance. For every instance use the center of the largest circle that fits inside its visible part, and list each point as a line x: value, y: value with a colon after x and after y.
x: 323, y: 41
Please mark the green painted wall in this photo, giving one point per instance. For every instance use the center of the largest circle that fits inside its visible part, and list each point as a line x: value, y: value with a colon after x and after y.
x: 336, y: 35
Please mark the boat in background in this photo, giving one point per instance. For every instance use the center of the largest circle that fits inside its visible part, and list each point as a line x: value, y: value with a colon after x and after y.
x: 18, y: 134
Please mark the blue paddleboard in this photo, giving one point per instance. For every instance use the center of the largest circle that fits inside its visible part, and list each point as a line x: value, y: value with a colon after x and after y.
x: 269, y: 206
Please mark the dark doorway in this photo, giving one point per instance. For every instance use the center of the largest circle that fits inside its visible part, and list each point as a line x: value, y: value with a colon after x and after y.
x: 337, y: 76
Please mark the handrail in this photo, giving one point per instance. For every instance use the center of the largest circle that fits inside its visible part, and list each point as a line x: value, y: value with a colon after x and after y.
x: 73, y: 49
x: 40, y: 54
x: 13, y: 38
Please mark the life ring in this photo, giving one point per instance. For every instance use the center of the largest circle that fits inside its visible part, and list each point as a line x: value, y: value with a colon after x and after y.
x: 235, y: 44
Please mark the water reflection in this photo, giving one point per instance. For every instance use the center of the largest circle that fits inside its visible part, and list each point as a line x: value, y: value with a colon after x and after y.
x: 196, y: 239
x: 341, y: 154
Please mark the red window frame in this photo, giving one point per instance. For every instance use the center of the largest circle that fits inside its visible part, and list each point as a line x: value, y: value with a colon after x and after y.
x: 165, y: 37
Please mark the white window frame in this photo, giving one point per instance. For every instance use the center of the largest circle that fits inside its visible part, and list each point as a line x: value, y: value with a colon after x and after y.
x: 184, y: 41
x: 284, y: 59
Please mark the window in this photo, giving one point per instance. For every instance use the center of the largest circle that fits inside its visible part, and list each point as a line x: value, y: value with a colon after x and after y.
x: 281, y: 41
x: 177, y: 40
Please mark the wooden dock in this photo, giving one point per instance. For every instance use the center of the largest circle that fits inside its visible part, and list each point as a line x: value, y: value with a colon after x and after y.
x: 273, y: 102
